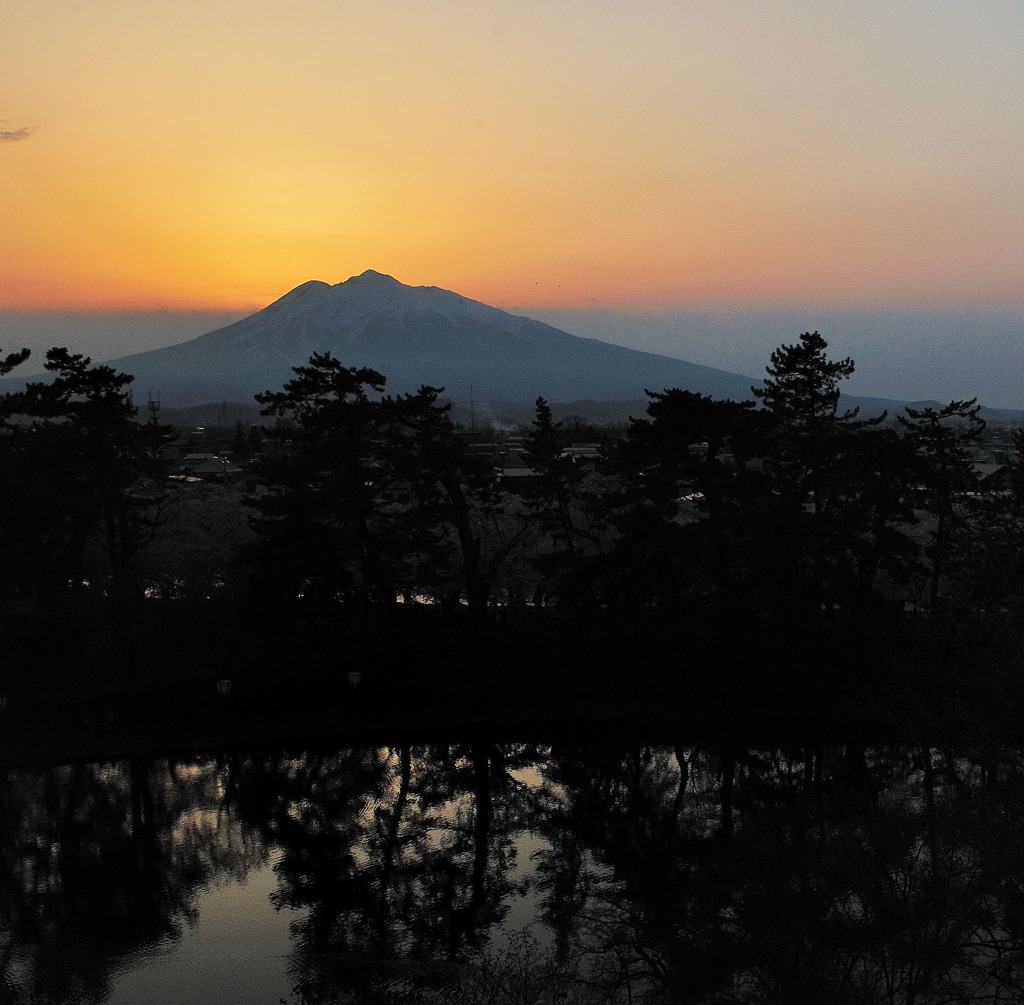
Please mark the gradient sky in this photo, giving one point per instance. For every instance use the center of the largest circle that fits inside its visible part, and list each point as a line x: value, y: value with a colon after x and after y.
x: 700, y: 179
x: 216, y: 153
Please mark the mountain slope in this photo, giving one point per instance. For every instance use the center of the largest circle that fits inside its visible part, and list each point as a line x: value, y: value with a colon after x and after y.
x: 413, y: 335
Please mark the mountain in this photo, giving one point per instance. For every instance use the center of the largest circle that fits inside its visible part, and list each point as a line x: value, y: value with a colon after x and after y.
x: 413, y: 335
x: 418, y: 335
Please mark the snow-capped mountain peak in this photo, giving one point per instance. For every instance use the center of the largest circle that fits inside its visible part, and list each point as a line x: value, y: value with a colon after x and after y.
x: 413, y: 335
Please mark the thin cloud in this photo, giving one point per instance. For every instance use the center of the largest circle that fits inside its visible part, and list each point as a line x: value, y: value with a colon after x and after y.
x: 13, y: 135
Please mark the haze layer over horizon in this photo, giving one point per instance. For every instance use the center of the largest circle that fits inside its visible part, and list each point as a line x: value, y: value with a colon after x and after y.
x: 939, y: 355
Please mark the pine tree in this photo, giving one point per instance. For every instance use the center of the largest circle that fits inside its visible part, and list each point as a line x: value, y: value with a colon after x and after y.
x: 451, y: 490
x: 321, y: 529
x: 549, y: 494
x: 79, y: 463
x: 370, y: 496
x: 13, y: 359
x: 559, y: 502
x: 803, y: 384
x: 814, y: 451
x: 940, y: 439
x: 686, y: 481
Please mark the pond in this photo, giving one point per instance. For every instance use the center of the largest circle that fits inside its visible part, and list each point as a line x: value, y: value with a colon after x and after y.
x: 483, y: 871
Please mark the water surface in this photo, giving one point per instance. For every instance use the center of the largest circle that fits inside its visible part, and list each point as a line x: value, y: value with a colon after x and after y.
x: 459, y: 871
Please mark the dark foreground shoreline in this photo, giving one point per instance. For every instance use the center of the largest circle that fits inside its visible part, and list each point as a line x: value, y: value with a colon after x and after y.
x: 147, y: 685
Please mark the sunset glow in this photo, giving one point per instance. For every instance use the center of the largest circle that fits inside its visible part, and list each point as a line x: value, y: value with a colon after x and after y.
x: 216, y: 154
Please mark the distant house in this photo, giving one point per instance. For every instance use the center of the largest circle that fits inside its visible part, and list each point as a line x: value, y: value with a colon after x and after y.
x: 583, y: 451
x: 506, y: 456
x: 208, y: 466
x: 511, y: 464
x: 991, y: 476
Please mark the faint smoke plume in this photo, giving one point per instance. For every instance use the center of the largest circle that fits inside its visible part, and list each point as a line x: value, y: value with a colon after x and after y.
x: 13, y: 135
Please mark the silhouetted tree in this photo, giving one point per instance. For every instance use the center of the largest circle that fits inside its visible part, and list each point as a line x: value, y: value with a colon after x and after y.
x: 79, y: 457
x: 321, y: 529
x: 552, y: 499
x: 13, y: 359
x: 876, y: 516
x: 196, y: 551
x: 691, y: 456
x: 369, y: 496
x: 940, y: 440
x: 451, y: 490
x: 811, y: 445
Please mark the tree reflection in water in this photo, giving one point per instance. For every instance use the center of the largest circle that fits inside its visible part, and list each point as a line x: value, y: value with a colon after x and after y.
x: 845, y: 876
x: 99, y: 861
x: 402, y: 858
x: 658, y: 873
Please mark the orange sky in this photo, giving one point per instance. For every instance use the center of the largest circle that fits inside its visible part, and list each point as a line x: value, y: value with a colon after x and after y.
x: 216, y: 153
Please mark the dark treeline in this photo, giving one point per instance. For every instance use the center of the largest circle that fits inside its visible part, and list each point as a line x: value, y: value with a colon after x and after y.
x: 782, y: 521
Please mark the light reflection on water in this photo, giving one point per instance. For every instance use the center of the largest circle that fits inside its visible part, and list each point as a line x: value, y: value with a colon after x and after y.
x: 641, y: 873
x: 236, y: 953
